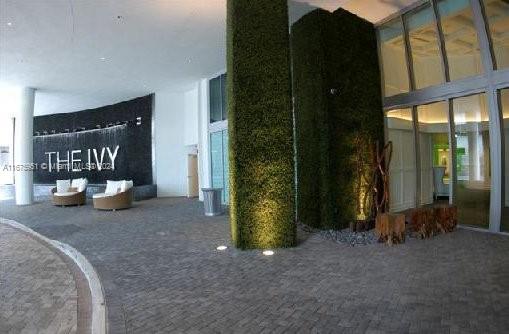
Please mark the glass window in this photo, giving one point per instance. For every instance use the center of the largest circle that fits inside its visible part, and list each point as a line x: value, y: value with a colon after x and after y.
x: 6, y: 151
x: 497, y: 15
x: 402, y: 167
x: 394, y: 65
x: 219, y: 162
x: 215, y: 100
x: 226, y: 192
x: 471, y: 121
x: 504, y: 98
x: 218, y: 99
x: 224, y: 97
x: 434, y: 152
x: 426, y: 59
x: 460, y: 38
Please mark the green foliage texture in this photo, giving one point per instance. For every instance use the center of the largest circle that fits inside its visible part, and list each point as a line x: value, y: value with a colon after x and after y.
x: 260, y: 124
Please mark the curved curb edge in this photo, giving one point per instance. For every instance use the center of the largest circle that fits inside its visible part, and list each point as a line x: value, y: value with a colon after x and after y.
x: 98, y: 322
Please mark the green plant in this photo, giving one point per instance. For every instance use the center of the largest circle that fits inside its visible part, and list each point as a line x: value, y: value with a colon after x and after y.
x: 336, y: 87
x: 260, y: 124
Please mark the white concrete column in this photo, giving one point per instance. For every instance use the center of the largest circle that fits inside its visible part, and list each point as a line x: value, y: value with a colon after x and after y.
x: 23, y: 147
x: 204, y: 178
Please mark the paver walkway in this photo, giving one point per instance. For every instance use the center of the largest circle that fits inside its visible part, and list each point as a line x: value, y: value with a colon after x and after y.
x: 162, y: 274
x: 37, y: 291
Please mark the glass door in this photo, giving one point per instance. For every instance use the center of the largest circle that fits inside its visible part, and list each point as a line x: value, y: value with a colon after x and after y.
x: 402, y: 175
x: 473, y: 186
x: 435, y: 155
x: 504, y: 99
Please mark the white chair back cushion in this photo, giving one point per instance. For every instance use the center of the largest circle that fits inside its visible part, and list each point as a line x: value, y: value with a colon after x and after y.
x: 76, y: 183
x: 83, y: 185
x: 113, y: 187
x: 126, y: 185
x: 63, y: 186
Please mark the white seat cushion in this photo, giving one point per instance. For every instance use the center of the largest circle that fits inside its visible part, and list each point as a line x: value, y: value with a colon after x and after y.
x: 63, y: 186
x: 102, y: 195
x: 69, y: 193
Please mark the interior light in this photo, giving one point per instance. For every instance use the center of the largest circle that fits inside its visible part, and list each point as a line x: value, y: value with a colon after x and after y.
x: 221, y: 248
x: 103, y: 58
x: 9, y: 24
x: 268, y: 252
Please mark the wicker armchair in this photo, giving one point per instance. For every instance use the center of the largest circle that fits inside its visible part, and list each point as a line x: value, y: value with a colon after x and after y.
x: 122, y: 200
x: 72, y: 197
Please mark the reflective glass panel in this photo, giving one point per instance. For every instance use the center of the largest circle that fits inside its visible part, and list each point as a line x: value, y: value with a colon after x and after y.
x: 402, y: 167
x: 216, y: 155
x: 497, y: 14
x: 504, y: 98
x: 434, y: 150
x: 392, y: 51
x: 224, y: 98
x: 226, y: 191
x: 471, y: 121
x: 460, y: 38
x: 426, y: 59
x: 215, y: 97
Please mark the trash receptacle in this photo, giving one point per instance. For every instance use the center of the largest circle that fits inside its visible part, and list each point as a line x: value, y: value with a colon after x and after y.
x: 212, y: 201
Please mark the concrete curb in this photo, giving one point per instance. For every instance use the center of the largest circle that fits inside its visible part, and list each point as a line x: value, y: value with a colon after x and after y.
x: 98, y: 322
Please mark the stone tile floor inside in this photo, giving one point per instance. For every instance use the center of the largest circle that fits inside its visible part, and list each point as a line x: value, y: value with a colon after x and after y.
x: 37, y: 291
x: 162, y: 274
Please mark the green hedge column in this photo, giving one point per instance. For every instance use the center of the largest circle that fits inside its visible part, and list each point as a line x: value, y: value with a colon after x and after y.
x: 338, y: 115
x: 260, y: 124
x: 309, y: 41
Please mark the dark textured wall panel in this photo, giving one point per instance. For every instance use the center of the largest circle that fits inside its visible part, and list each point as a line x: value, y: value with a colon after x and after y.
x: 134, y: 158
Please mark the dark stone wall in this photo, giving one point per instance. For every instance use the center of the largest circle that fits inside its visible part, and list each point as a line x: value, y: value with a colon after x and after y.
x: 118, y: 126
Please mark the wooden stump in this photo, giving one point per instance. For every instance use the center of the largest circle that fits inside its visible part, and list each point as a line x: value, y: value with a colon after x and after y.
x: 423, y: 223
x: 446, y: 217
x: 430, y: 221
x: 390, y: 228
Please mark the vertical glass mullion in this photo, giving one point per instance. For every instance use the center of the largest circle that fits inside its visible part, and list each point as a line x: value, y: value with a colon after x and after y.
x: 417, y: 154
x: 441, y: 40
x: 452, y: 144
x: 488, y: 34
x: 408, y: 53
x: 487, y: 55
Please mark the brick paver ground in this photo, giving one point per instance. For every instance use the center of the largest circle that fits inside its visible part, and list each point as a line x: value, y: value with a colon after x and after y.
x: 162, y: 274
x: 37, y: 291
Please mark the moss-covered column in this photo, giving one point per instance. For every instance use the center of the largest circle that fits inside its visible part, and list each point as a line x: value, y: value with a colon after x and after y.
x: 260, y: 124
x: 338, y: 116
x: 309, y: 40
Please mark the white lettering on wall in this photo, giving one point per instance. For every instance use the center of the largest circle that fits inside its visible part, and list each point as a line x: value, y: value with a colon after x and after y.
x: 113, y: 156
x: 75, y: 163
x: 99, y: 163
x: 77, y: 167
x: 61, y: 163
x: 49, y: 154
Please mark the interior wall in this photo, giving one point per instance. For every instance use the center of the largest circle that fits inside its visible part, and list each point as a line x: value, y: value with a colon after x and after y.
x: 191, y: 116
x: 170, y: 143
